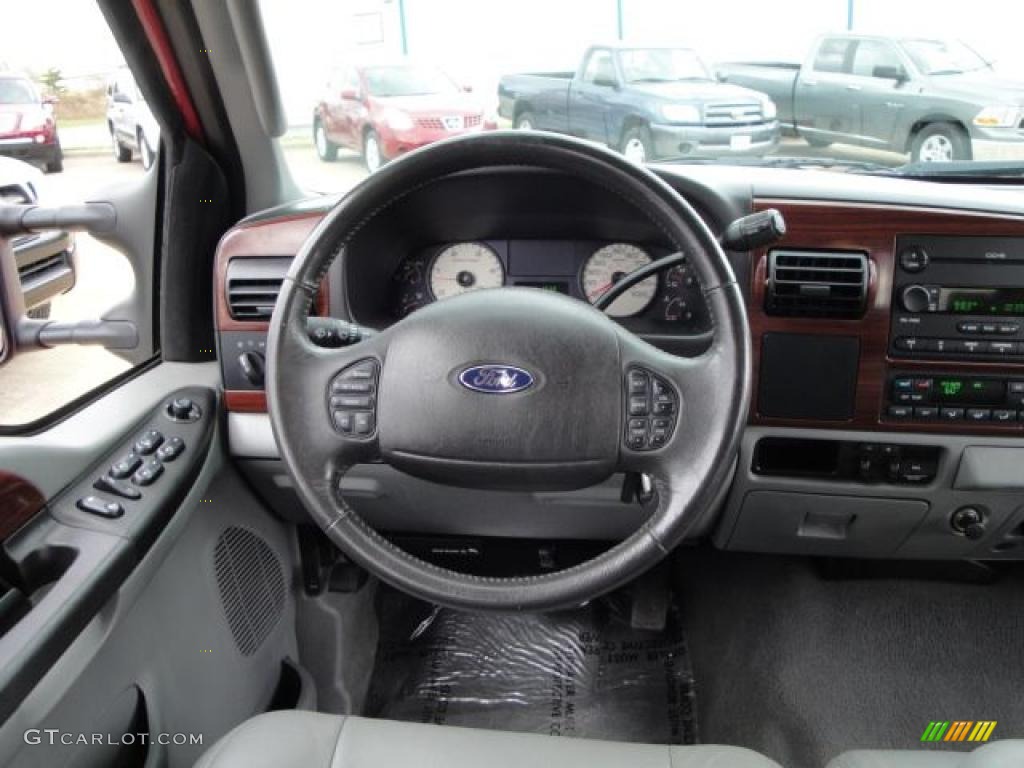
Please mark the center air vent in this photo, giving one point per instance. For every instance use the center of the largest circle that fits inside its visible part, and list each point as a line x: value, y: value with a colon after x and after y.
x: 253, y: 286
x: 816, y: 284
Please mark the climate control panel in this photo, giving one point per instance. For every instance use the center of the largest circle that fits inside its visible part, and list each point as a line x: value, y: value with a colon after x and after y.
x: 955, y: 398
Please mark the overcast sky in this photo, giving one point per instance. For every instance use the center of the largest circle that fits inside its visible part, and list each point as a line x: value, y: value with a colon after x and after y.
x: 480, y: 39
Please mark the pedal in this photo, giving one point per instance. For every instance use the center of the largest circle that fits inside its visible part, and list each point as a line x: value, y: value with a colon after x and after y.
x: 652, y: 598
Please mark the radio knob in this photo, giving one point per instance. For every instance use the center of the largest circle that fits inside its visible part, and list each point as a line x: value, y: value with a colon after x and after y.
x: 915, y: 298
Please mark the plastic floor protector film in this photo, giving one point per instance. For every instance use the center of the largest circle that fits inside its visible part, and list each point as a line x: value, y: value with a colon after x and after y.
x: 583, y: 673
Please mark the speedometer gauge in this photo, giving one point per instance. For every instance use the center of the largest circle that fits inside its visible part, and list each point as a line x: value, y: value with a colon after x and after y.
x: 610, y: 264
x: 465, y: 267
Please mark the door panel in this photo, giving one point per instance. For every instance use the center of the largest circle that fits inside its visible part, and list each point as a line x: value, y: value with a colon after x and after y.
x: 822, y: 103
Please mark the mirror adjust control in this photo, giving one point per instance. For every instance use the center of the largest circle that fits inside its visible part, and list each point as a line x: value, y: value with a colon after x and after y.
x: 94, y: 505
x: 149, y: 442
x: 124, y: 467
x: 116, y: 487
x: 148, y: 472
x: 183, y: 409
x: 170, y: 450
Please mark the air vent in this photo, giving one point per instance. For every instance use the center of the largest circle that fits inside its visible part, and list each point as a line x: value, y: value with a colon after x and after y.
x: 816, y: 284
x: 44, y: 270
x: 253, y: 286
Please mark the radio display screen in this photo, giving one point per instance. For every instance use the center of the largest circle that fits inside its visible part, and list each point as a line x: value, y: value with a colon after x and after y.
x: 1004, y: 302
x: 957, y: 389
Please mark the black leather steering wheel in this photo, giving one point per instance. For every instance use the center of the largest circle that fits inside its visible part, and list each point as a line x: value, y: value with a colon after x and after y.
x: 510, y: 388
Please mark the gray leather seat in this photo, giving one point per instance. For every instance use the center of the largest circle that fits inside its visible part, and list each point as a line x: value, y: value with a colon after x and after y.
x: 310, y: 740
x: 998, y: 754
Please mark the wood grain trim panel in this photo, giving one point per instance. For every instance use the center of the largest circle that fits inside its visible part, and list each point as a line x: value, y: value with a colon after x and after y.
x: 20, y: 501
x: 873, y: 229
x: 269, y: 239
x: 245, y: 401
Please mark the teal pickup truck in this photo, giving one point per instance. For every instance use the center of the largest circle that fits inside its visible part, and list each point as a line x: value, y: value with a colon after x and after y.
x: 938, y: 100
x: 649, y: 103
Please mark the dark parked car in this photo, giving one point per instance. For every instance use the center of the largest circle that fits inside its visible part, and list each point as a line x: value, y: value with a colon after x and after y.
x: 938, y: 100
x: 384, y: 111
x: 45, y: 260
x: 649, y: 103
x: 28, y: 129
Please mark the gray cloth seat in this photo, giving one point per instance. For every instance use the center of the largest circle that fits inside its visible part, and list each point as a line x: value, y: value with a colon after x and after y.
x: 998, y: 754
x: 311, y: 740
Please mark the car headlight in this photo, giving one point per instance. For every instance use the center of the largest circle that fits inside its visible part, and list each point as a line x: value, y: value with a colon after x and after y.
x: 998, y: 117
x: 398, y: 120
x: 34, y: 121
x: 769, y: 110
x: 681, y: 113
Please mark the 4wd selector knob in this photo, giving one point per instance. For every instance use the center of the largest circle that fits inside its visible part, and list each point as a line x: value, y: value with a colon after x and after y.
x: 915, y: 298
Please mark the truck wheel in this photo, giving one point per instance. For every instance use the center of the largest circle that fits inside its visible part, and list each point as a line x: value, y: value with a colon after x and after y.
x: 940, y: 143
x: 146, y: 154
x: 122, y: 153
x: 326, y: 149
x: 372, y: 156
x: 636, y: 144
x: 525, y: 122
x: 56, y: 162
x: 42, y: 312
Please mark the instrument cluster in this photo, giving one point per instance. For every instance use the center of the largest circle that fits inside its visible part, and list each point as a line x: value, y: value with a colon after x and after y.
x: 670, y: 302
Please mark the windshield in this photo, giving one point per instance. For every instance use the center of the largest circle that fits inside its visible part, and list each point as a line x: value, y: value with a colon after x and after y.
x: 407, y: 81
x: 662, y: 65
x: 940, y: 57
x: 14, y: 91
x: 836, y: 86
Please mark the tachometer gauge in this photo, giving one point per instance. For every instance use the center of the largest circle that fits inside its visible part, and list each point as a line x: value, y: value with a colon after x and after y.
x: 465, y: 267
x: 607, y: 266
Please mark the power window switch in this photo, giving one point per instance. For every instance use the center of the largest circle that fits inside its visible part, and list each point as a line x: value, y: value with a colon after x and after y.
x: 171, y: 450
x: 124, y: 466
x: 94, y: 505
x: 118, y: 488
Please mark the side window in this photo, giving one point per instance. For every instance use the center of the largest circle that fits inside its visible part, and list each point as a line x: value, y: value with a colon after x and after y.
x: 832, y: 55
x: 873, y: 56
x: 67, y: 277
x: 600, y: 69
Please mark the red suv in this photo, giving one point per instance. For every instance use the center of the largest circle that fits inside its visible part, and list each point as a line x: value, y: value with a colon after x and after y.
x: 384, y: 111
x: 28, y: 130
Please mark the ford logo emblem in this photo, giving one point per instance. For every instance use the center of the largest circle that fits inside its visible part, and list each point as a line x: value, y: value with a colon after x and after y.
x: 496, y: 379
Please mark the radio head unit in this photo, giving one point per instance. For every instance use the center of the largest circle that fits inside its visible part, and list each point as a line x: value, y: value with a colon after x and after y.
x: 958, y: 298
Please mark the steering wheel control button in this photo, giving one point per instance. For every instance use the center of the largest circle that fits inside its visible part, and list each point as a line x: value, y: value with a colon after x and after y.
x: 124, y: 467
x: 148, y: 472
x: 171, y: 450
x: 116, y: 487
x: 638, y: 382
x: 363, y: 423
x: 149, y: 442
x: 94, y: 505
x: 352, y: 399
x: 183, y: 409
x: 657, y: 399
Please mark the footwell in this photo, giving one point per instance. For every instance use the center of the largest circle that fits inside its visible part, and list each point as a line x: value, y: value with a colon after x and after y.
x: 582, y: 673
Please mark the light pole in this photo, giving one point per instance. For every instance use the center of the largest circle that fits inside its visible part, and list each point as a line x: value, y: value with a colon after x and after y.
x: 401, y: 27
x: 618, y: 17
x: 849, y: 15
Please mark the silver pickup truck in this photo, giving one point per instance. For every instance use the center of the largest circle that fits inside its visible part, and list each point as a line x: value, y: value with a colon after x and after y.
x: 938, y: 100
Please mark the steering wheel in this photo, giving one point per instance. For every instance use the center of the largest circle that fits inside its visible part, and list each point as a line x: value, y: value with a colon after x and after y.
x: 510, y: 388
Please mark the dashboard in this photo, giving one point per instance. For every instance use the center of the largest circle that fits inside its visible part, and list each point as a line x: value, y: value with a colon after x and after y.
x: 887, y: 409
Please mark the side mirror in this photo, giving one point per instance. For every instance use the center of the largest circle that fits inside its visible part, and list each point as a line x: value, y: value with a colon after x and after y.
x: 122, y: 98
x: 18, y: 332
x: 606, y: 82
x: 349, y: 94
x: 890, y: 73
x: 721, y: 76
x: 467, y: 88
